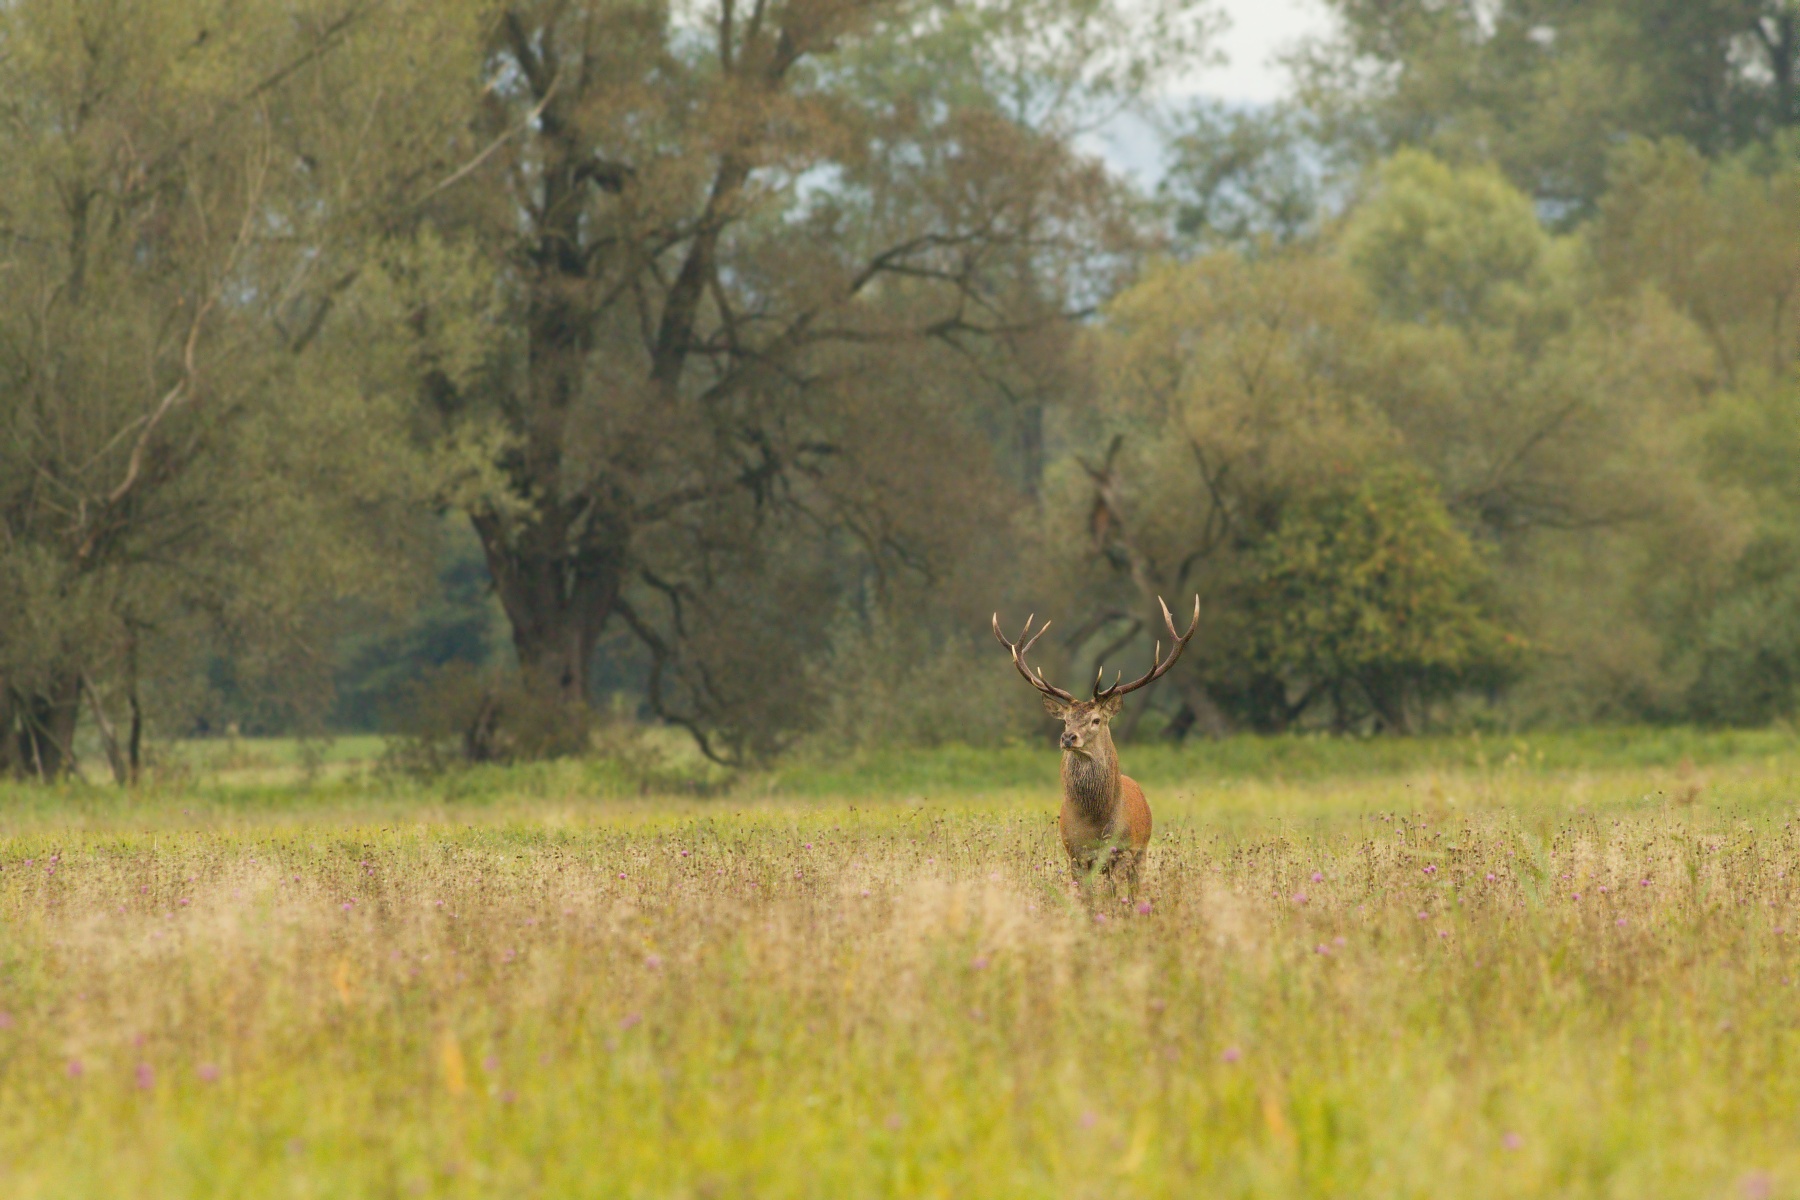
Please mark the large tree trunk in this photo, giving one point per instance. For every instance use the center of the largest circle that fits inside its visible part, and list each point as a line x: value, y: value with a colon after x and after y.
x: 558, y: 583
x: 558, y: 573
x: 1199, y: 713
x: 1387, y: 695
x: 47, y: 722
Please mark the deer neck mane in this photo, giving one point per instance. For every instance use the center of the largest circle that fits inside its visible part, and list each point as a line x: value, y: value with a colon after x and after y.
x: 1091, y: 780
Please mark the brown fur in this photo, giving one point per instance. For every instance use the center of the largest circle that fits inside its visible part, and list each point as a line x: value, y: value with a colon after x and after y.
x: 1105, y: 820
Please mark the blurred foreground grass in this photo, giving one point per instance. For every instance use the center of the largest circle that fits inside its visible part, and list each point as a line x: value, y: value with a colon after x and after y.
x: 1529, y: 973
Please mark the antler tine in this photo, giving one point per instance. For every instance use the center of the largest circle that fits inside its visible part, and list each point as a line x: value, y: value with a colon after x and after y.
x: 1018, y: 657
x: 1159, y: 666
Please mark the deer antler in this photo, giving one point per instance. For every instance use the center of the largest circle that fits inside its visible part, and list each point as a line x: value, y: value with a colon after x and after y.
x: 1019, y: 653
x: 1159, y: 665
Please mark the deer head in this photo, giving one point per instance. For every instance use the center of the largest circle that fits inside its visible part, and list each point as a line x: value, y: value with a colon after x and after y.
x: 1086, y: 723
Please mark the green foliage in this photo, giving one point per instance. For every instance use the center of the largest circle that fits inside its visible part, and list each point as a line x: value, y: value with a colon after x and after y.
x: 743, y: 349
x: 1438, y: 244
x: 890, y: 685
x: 1748, y: 642
x: 381, y: 662
x: 176, y: 482
x: 1370, y: 585
x: 1237, y: 177
x: 1715, y: 240
x: 1545, y: 89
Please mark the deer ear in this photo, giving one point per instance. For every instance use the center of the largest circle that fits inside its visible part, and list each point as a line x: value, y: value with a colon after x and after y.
x: 1109, y: 707
x: 1056, y: 708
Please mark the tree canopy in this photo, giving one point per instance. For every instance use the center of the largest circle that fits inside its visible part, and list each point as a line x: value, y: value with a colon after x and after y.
x: 728, y: 365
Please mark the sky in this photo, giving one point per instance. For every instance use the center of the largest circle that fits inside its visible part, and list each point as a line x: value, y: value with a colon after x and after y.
x: 1260, y: 29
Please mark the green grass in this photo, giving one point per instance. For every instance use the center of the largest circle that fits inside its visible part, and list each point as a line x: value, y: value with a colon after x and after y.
x: 878, y: 983
x: 274, y: 767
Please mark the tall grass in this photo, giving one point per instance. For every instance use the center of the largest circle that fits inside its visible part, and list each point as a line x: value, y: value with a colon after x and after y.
x: 1468, y: 979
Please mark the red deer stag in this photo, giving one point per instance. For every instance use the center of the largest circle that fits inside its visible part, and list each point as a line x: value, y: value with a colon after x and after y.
x: 1105, y: 820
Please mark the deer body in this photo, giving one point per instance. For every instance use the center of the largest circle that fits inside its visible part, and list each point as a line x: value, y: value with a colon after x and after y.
x: 1103, y: 812
x: 1105, y: 820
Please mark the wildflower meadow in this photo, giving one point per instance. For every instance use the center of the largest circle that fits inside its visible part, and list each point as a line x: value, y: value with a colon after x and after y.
x: 1505, y: 975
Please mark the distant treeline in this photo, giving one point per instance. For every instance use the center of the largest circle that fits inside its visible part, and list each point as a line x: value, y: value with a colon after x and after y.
x: 478, y: 369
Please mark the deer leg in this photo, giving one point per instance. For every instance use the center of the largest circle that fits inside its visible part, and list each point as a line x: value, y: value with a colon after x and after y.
x: 1134, y: 867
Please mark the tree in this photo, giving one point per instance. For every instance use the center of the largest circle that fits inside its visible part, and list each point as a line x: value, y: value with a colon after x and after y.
x: 1261, y: 478
x: 1369, y: 589
x: 1720, y: 241
x: 1442, y: 329
x: 1545, y: 87
x: 173, y: 477
x: 1744, y: 646
x: 1237, y: 176
x: 1535, y: 403
x: 1235, y: 386
x: 728, y: 285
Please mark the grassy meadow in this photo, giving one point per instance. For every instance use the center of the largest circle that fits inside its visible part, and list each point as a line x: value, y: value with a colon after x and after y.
x: 1557, y: 966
